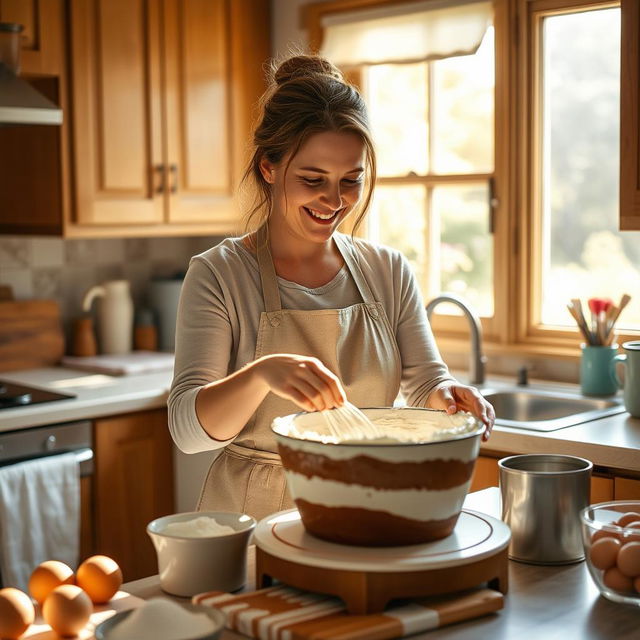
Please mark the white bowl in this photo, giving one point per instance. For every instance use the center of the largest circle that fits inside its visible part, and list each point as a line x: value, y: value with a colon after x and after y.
x: 189, y: 565
x: 389, y: 492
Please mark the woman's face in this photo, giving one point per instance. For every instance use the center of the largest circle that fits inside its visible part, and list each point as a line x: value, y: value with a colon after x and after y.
x: 323, y: 183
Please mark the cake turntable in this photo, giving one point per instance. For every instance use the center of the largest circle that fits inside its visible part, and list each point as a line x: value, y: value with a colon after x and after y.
x: 367, y: 578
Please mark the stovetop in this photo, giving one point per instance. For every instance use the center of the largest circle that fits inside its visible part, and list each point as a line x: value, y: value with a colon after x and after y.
x: 17, y: 395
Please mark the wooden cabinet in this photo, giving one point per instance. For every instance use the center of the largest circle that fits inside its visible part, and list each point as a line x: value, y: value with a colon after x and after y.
x: 485, y: 474
x: 162, y: 96
x: 626, y: 489
x: 629, y: 116
x: 133, y: 485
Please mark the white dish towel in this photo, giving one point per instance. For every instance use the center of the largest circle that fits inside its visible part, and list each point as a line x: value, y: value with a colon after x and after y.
x: 39, y: 516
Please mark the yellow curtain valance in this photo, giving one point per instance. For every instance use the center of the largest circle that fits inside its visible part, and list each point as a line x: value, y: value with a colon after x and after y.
x: 405, y: 32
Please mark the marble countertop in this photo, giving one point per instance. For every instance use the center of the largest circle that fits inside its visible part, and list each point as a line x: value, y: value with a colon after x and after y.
x: 612, y: 442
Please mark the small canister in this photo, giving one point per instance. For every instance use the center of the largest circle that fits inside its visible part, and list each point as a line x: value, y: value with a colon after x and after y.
x: 542, y: 496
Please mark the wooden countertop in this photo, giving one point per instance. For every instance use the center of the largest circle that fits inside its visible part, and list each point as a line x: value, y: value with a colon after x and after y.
x: 542, y: 602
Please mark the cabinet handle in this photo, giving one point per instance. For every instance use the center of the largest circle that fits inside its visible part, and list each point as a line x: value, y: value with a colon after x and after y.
x: 173, y: 170
x: 159, y: 178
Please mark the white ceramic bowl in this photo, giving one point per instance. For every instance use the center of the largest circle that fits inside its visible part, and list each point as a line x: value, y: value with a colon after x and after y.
x: 381, y: 493
x: 613, y: 551
x: 189, y: 565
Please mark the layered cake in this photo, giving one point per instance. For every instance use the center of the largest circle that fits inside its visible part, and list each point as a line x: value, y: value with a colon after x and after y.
x: 405, y: 486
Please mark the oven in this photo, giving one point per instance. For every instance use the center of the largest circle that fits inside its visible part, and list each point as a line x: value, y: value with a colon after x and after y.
x: 28, y: 443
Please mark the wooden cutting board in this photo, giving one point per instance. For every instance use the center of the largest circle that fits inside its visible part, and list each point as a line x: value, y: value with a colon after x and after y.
x: 285, y: 613
x: 30, y: 334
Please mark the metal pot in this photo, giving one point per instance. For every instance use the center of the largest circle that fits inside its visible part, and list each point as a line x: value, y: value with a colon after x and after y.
x: 542, y: 496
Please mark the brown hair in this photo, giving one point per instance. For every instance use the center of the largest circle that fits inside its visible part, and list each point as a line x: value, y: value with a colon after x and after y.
x: 307, y: 95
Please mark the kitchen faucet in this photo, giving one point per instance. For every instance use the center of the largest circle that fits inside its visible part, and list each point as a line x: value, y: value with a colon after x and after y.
x: 477, y: 360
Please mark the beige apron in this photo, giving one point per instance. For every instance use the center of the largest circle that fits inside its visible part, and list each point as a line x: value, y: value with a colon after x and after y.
x: 355, y: 343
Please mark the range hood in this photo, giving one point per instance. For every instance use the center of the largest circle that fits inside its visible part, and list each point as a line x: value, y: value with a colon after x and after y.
x: 20, y: 103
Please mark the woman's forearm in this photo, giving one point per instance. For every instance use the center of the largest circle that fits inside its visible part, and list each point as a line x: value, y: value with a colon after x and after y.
x: 223, y: 407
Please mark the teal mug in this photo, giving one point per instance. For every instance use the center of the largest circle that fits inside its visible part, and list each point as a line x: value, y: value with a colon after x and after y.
x: 597, y: 370
x: 631, y: 360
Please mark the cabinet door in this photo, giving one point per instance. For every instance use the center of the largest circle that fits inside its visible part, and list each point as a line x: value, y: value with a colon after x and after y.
x: 134, y: 485
x: 485, y: 474
x: 629, y: 117
x: 196, y: 38
x: 42, y: 35
x: 626, y: 489
x: 115, y: 68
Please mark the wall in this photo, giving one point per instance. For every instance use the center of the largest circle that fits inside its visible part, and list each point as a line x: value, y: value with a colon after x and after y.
x: 63, y: 270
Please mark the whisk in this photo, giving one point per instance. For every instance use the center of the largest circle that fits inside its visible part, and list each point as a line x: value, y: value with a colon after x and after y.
x: 349, y: 423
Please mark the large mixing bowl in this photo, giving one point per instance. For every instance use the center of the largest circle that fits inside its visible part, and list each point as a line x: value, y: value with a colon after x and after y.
x: 406, y: 488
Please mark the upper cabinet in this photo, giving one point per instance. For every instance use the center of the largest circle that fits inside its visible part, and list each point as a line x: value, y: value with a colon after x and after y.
x: 629, y: 117
x: 162, y: 96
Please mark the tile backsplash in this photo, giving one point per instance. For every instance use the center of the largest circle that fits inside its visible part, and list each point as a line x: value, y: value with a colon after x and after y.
x: 63, y: 270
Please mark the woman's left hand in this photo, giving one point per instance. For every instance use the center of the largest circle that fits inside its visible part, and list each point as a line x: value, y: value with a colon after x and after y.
x: 459, y: 397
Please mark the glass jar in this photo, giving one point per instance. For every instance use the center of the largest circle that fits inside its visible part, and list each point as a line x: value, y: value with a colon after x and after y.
x: 10, y: 45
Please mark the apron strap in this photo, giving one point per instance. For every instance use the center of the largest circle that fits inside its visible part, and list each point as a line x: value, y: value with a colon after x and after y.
x: 347, y: 250
x: 268, y: 278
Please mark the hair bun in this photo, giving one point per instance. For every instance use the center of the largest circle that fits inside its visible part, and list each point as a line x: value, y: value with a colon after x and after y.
x: 300, y: 66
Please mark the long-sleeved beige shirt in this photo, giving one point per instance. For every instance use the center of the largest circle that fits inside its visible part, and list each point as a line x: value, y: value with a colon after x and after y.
x: 219, y: 313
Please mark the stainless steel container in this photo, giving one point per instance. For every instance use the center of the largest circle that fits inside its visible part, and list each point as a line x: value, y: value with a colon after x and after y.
x: 542, y: 496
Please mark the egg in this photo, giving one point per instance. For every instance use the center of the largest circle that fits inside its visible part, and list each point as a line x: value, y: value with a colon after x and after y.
x: 598, y: 535
x: 615, y: 580
x: 603, y: 553
x: 16, y: 613
x: 100, y: 577
x: 628, y: 517
x: 636, y: 584
x: 67, y: 609
x: 47, y: 576
x: 627, y: 536
x: 628, y: 560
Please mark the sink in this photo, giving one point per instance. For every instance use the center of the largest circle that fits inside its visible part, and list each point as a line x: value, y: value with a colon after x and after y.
x: 541, y: 410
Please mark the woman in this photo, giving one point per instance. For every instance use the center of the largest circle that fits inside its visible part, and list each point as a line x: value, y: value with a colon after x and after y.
x: 295, y: 315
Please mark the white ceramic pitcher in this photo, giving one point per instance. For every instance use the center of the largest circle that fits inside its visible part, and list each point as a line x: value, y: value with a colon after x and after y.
x: 115, y: 315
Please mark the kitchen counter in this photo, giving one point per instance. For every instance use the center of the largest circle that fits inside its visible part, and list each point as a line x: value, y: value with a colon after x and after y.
x: 612, y: 443
x: 543, y: 601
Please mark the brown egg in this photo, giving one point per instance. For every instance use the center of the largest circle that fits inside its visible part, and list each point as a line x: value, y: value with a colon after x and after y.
x: 100, y: 577
x: 628, y: 560
x: 67, y: 609
x: 46, y: 577
x: 615, y: 580
x: 603, y: 553
x: 636, y: 584
x: 631, y: 537
x: 16, y: 613
x: 628, y: 517
x: 598, y: 535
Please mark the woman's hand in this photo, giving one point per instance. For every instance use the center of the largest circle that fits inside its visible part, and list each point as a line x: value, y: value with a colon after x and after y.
x: 303, y: 380
x: 459, y: 397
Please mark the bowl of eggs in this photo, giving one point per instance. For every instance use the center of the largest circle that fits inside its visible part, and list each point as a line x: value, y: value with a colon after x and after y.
x: 611, y: 536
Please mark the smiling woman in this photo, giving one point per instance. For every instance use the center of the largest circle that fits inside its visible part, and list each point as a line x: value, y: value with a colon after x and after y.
x: 295, y: 315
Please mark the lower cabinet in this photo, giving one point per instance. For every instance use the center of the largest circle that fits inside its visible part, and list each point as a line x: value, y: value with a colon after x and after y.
x: 485, y: 474
x: 133, y: 484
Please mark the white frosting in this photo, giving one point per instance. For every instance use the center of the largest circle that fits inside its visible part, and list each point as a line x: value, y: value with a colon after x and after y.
x: 392, y: 426
x: 416, y: 504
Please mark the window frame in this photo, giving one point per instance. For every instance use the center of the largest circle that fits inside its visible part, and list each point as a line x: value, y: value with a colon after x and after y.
x: 513, y: 330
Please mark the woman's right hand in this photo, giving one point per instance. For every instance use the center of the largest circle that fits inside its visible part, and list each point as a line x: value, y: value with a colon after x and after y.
x: 303, y: 380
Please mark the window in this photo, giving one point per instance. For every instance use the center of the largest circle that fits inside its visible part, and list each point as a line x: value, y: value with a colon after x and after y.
x: 581, y: 254
x: 499, y: 171
x: 432, y: 123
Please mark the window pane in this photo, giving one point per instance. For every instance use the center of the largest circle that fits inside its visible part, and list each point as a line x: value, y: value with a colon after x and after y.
x: 584, y: 255
x: 396, y: 97
x: 462, y: 111
x: 465, y: 247
x: 397, y: 219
